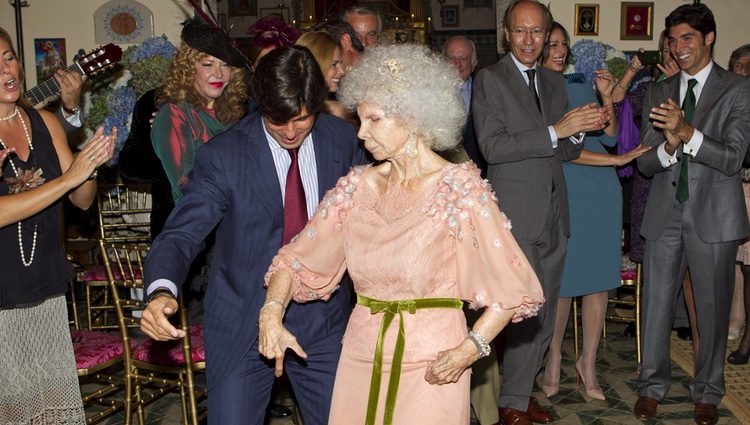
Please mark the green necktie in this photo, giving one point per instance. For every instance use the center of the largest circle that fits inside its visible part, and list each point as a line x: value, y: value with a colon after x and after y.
x: 688, y: 106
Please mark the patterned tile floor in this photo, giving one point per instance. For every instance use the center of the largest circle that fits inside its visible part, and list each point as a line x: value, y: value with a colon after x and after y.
x: 617, y: 373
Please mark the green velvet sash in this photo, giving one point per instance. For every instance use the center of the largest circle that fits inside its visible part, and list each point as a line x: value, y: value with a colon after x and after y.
x: 390, y: 309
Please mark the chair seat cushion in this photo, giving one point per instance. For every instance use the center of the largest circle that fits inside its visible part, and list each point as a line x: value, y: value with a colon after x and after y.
x: 627, y: 274
x: 99, y: 273
x: 169, y: 353
x: 93, y: 348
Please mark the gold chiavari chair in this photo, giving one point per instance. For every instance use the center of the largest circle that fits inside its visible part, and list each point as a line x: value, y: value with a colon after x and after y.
x: 629, y: 279
x: 152, y: 369
x: 124, y: 216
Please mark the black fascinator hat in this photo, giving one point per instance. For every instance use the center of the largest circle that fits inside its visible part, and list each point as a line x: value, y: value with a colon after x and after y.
x: 210, y: 39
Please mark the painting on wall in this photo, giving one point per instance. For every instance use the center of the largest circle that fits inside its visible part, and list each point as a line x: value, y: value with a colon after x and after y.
x: 587, y: 19
x: 50, y: 56
x: 449, y: 16
x: 636, y: 20
x: 243, y: 8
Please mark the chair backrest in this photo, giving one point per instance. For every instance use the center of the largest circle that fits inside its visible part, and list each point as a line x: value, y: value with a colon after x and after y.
x: 124, y: 265
x: 124, y: 212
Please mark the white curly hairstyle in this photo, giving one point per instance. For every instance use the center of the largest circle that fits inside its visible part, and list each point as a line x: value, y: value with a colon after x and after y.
x: 413, y: 85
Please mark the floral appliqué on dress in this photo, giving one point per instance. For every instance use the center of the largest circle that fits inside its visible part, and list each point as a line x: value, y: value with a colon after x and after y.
x: 27, y: 180
x: 338, y: 199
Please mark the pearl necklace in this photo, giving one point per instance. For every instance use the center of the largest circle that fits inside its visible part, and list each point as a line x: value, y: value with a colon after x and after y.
x: 13, y: 115
x: 15, y: 171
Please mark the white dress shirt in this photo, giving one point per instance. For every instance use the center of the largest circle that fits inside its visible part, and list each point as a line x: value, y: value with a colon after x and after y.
x: 694, y: 144
x: 550, y: 128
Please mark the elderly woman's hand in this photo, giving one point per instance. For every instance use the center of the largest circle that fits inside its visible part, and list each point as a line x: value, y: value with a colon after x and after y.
x: 450, y: 364
x: 274, y: 338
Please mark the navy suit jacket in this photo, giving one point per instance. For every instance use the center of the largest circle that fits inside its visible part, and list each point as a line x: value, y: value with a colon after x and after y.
x: 234, y: 189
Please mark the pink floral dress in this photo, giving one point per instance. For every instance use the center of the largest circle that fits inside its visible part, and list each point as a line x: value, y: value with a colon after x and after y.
x: 448, y: 241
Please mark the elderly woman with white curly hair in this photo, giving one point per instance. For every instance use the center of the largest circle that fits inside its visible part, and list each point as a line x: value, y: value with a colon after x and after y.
x: 417, y: 235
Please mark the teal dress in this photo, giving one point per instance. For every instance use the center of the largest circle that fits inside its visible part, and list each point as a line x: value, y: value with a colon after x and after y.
x: 595, y: 197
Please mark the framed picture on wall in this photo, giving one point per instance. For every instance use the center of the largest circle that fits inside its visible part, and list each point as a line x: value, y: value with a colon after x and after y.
x: 587, y: 19
x: 50, y: 56
x: 281, y: 12
x: 449, y: 15
x: 243, y: 8
x: 636, y: 20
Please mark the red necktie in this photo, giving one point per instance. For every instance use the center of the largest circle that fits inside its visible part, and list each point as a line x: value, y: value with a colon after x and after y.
x: 295, y: 206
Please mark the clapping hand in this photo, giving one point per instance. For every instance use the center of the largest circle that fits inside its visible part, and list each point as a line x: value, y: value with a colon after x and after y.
x: 98, y: 150
x: 670, y: 118
x: 4, y: 154
x: 582, y: 119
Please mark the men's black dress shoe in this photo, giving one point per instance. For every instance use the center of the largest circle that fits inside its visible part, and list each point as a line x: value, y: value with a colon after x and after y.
x: 276, y: 410
x: 706, y: 414
x: 736, y: 357
x: 645, y: 408
x: 684, y: 333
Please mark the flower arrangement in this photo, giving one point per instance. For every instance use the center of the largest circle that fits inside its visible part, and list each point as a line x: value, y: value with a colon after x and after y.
x: 590, y: 55
x: 111, y: 104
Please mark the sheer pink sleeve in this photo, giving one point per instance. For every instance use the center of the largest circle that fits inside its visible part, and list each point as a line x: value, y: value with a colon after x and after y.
x: 492, y: 269
x: 315, y: 258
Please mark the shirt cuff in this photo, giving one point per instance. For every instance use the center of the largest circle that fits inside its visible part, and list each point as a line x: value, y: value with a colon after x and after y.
x: 552, y: 136
x: 162, y: 283
x: 578, y: 138
x: 694, y: 144
x: 666, y: 159
x: 74, y: 120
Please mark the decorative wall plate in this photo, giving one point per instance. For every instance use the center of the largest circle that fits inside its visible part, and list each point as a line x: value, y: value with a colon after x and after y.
x: 123, y: 21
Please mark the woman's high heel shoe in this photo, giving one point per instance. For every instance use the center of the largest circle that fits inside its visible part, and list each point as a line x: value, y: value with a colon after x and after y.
x: 550, y: 385
x: 595, y: 392
x: 736, y: 357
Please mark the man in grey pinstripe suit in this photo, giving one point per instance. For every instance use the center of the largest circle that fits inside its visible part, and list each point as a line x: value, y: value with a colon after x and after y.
x: 523, y: 131
x: 700, y: 129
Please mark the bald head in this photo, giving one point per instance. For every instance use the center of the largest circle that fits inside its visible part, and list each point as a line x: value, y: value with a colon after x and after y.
x: 460, y: 52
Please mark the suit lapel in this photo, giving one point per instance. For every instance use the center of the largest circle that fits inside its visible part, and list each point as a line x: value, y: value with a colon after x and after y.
x: 327, y: 163
x: 261, y: 169
x: 715, y: 86
x: 545, y: 95
x: 521, y: 90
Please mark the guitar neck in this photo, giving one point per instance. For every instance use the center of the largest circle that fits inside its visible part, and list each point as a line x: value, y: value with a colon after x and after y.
x: 48, y: 88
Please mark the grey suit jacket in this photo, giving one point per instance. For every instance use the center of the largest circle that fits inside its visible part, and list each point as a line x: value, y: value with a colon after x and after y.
x: 716, y: 199
x: 524, y: 169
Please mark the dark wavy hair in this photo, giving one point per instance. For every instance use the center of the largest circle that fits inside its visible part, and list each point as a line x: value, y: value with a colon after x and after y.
x: 566, y: 37
x: 337, y: 28
x: 286, y: 80
x: 697, y: 15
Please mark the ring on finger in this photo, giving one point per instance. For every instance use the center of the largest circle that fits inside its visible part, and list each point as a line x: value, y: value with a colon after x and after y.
x: 91, y: 157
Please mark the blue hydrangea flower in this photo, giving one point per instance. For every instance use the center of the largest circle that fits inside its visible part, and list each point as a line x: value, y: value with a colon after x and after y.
x: 589, y: 57
x: 153, y: 46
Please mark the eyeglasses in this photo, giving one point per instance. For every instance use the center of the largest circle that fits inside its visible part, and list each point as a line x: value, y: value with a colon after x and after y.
x: 458, y: 59
x: 523, y: 32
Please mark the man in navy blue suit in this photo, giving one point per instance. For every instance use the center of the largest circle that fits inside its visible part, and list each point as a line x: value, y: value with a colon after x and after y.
x: 247, y: 184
